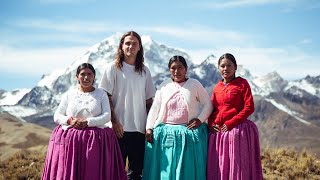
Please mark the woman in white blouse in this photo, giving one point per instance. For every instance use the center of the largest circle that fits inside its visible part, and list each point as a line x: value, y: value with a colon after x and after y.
x: 176, y: 134
x: 82, y: 146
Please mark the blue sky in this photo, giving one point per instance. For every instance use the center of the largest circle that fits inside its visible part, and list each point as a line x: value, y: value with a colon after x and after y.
x: 40, y: 36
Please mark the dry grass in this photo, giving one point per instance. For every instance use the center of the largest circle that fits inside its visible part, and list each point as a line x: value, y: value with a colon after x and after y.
x: 277, y: 164
x: 22, y: 165
x: 288, y: 164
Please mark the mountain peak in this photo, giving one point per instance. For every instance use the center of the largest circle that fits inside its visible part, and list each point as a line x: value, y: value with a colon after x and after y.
x: 113, y: 39
x: 271, y: 82
x: 211, y: 59
x: 146, y: 39
x: 243, y: 72
x: 313, y: 80
x: 273, y: 75
x: 309, y: 84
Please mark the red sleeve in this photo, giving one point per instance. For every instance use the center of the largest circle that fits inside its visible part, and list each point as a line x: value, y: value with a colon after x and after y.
x: 247, y: 110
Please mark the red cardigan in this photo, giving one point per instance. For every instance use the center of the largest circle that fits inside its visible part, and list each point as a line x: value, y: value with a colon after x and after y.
x: 233, y: 103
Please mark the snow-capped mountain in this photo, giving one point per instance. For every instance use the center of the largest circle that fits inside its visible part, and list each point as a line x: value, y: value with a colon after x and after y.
x: 309, y: 84
x: 281, y: 105
x: 44, y: 98
x: 272, y: 82
x: 12, y: 98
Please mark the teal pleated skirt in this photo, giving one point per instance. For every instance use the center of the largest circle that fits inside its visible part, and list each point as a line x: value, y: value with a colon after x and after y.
x: 177, y: 153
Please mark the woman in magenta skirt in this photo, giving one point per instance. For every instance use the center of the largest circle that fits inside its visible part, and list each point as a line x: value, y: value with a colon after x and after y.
x: 82, y: 146
x: 233, y: 147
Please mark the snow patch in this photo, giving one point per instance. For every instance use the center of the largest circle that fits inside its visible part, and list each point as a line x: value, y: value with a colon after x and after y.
x: 199, y: 72
x: 19, y: 111
x: 306, y: 86
x: 13, y: 97
x: 48, y: 80
x: 287, y: 110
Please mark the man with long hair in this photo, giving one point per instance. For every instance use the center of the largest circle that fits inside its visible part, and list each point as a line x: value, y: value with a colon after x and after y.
x: 129, y: 85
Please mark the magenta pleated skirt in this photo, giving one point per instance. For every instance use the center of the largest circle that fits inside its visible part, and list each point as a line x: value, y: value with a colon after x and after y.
x: 83, y: 154
x: 235, y: 154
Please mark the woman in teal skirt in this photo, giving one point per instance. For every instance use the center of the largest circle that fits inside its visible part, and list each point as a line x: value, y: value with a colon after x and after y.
x: 176, y: 132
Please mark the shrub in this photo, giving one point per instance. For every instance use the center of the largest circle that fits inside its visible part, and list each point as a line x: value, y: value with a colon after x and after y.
x: 22, y: 165
x: 276, y: 163
x: 288, y: 164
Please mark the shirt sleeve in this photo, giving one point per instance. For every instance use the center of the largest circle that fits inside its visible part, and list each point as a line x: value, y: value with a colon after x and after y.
x: 205, y: 102
x: 211, y: 116
x: 60, y: 116
x: 154, y: 111
x: 247, y: 110
x: 108, y: 79
x: 150, y: 89
x: 105, y: 114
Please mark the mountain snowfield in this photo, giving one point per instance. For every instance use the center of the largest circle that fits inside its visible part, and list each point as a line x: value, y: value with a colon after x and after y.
x: 13, y: 97
x: 287, y: 102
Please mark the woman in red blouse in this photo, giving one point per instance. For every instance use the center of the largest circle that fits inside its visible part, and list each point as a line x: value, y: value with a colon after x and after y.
x: 234, y: 150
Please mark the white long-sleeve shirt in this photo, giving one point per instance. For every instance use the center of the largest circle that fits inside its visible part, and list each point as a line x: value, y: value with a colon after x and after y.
x: 93, y: 106
x: 194, y: 95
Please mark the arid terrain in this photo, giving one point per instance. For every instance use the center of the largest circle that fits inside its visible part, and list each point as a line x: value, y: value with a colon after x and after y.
x: 23, y: 147
x: 16, y: 135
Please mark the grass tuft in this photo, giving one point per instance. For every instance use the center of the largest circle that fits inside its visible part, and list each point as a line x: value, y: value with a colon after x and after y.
x: 22, y: 165
x: 276, y: 163
x: 288, y: 164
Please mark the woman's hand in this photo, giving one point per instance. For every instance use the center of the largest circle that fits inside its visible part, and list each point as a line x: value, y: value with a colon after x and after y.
x: 194, y: 123
x: 224, y: 128
x: 117, y: 128
x: 215, y: 128
x: 78, y: 123
x: 149, y: 135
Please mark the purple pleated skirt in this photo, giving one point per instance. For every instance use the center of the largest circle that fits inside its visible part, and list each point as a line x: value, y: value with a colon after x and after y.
x: 90, y: 153
x: 235, y: 154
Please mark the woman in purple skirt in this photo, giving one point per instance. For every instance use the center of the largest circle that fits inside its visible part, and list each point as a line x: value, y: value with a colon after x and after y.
x: 82, y: 146
x: 233, y: 149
